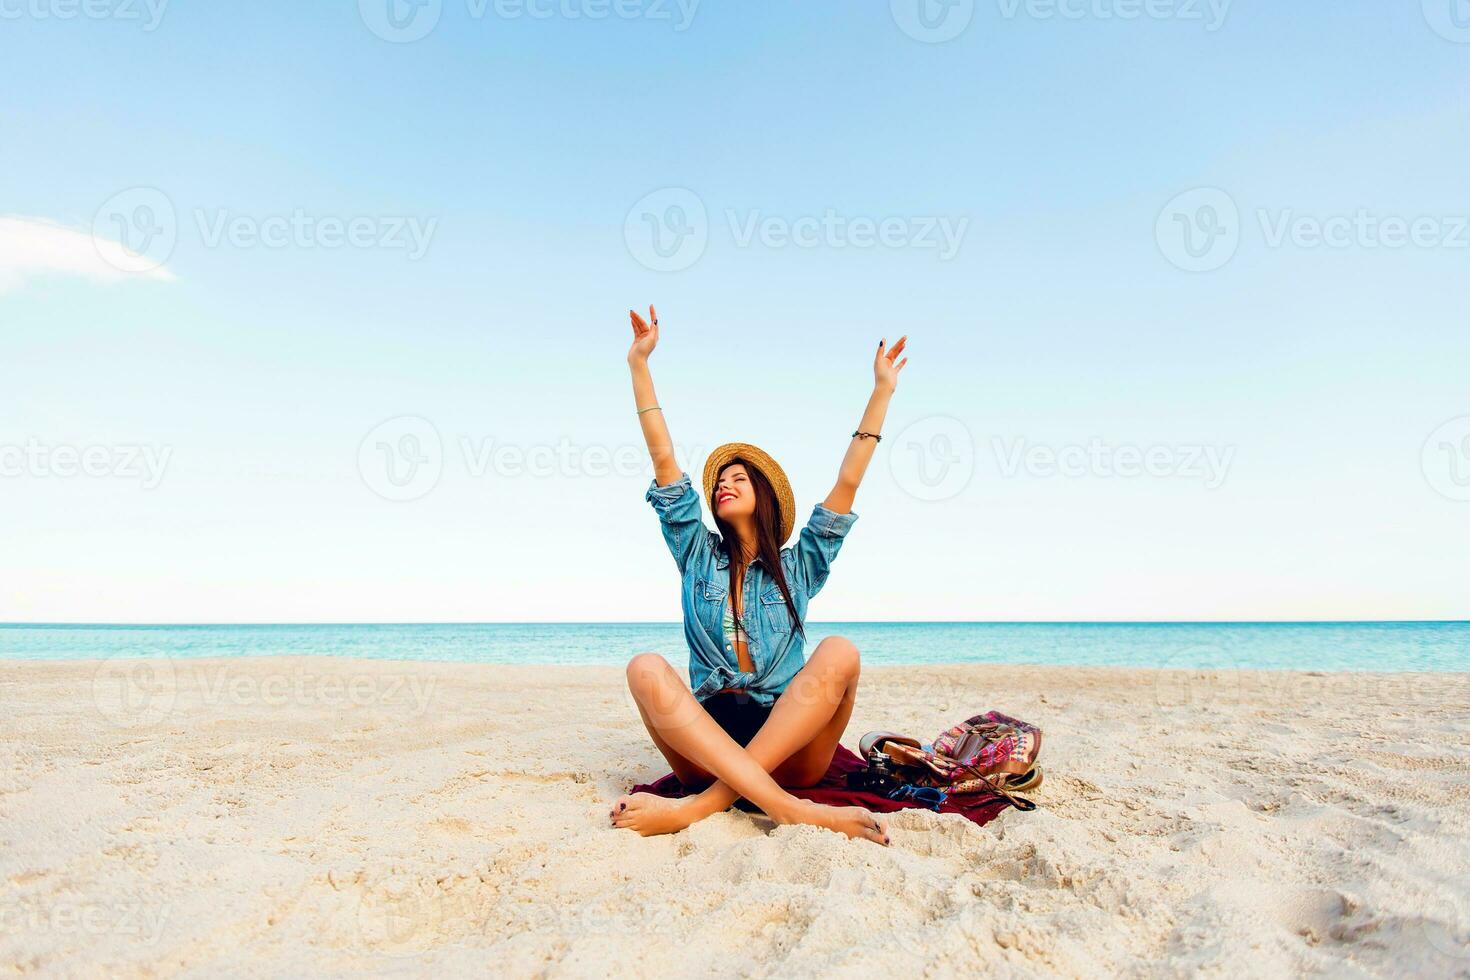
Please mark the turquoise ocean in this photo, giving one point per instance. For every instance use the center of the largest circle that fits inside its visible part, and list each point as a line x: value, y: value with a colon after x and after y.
x: 1358, y: 646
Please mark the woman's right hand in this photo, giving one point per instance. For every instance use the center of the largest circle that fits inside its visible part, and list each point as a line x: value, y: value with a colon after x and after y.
x: 645, y: 335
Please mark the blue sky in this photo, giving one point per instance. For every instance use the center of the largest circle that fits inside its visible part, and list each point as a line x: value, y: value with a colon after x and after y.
x: 498, y: 171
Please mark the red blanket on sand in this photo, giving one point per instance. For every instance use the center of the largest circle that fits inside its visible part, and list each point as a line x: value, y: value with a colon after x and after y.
x: 833, y: 791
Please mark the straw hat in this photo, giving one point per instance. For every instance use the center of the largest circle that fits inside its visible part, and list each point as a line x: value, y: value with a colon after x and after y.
x: 769, y: 468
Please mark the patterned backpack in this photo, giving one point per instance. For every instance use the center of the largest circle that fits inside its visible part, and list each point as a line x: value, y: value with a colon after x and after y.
x: 992, y: 754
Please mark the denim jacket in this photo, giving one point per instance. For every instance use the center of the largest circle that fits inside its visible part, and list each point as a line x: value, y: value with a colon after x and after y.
x: 775, y: 648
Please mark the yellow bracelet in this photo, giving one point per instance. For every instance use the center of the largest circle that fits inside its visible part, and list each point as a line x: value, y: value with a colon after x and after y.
x: 651, y: 408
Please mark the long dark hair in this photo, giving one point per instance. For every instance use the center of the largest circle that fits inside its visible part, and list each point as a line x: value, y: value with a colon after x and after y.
x: 767, y: 527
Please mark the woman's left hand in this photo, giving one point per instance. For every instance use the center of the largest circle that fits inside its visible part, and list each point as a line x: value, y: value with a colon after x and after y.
x: 885, y: 371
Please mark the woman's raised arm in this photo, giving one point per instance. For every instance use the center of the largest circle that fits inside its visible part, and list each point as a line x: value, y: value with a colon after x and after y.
x: 860, y: 450
x: 650, y: 416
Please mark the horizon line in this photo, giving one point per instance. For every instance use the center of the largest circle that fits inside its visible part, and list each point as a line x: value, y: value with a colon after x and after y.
x: 6, y: 624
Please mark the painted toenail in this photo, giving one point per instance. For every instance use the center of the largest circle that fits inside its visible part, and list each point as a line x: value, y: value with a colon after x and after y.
x: 622, y: 806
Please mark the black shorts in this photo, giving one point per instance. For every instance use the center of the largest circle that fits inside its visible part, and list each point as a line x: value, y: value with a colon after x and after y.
x: 739, y: 714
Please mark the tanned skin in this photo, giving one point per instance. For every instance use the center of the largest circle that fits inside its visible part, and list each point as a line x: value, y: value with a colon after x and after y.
x: 796, y: 744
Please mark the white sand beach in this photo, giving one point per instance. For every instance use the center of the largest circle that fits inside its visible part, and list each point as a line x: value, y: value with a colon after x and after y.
x: 333, y: 817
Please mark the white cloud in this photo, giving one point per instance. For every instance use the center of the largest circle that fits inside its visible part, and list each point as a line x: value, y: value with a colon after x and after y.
x: 34, y: 247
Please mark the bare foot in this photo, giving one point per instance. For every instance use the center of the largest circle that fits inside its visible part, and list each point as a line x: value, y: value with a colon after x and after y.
x: 854, y: 821
x: 650, y: 815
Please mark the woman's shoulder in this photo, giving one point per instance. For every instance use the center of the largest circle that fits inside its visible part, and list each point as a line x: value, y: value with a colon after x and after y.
x: 706, y: 556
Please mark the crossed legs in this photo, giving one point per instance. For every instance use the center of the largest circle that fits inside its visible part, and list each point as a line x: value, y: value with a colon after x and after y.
x: 793, y: 748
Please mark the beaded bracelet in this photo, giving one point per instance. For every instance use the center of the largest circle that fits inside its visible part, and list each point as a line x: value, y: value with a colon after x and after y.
x: 868, y: 435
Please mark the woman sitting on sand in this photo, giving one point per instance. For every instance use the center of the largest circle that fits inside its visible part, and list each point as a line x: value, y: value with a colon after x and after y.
x: 757, y: 719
